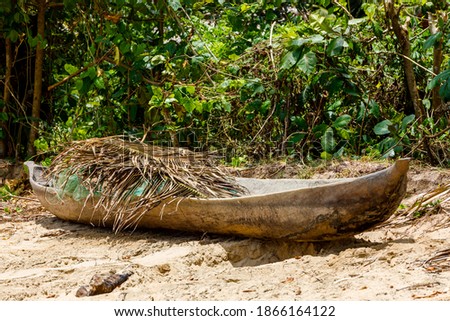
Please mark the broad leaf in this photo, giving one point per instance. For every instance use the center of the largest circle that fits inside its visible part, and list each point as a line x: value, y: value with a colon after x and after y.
x: 297, y: 137
x: 158, y: 60
x: 431, y: 41
x: 3, y: 116
x: 374, y: 108
x: 336, y: 46
x: 344, y: 133
x: 342, y: 121
x: 407, y: 120
x: 382, y: 128
x: 190, y: 89
x: 356, y: 21
x: 99, y: 83
x: 300, y: 122
x: 174, y: 4
x: 225, y: 105
x: 13, y: 35
x: 444, y: 92
x: 308, y: 62
x: 190, y: 104
x: 316, y: 39
x: 327, y: 140
x: 290, y: 59
x: 70, y: 69
x: 326, y: 156
x: 298, y: 42
x: 444, y: 79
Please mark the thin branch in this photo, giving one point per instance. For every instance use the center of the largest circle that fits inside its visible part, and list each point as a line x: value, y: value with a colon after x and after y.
x: 265, y: 121
x: 336, y: 2
x: 409, y: 59
x: 270, y: 44
x: 66, y: 79
x: 445, y: 130
x: 22, y: 198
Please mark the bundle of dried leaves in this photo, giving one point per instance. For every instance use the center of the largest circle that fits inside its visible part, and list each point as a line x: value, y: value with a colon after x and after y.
x: 126, y: 176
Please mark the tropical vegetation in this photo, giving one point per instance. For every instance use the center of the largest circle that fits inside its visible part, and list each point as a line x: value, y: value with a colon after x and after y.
x: 298, y: 80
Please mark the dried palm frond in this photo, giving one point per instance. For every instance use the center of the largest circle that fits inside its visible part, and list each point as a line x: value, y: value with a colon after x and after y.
x: 129, y: 176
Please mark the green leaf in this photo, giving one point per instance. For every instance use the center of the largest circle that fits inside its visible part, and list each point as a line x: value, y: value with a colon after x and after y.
x: 90, y: 73
x: 444, y: 92
x: 189, y: 104
x: 342, y: 121
x: 190, y: 89
x: 370, y: 9
x: 374, y: 108
x: 382, y: 128
x: 265, y: 106
x: 99, y: 83
x: 79, y: 84
x: 170, y: 100
x: 290, y: 59
x: 226, y: 105
x: 316, y: 39
x: 431, y: 41
x: 13, y: 35
x: 124, y: 47
x: 356, y: 21
x: 252, y: 88
x: 298, y: 42
x: 336, y: 46
x: 300, y: 122
x: 407, y: 120
x: 436, y: 81
x: 377, y: 30
x: 327, y: 140
x: 340, y: 152
x: 175, y: 4
x: 308, y: 63
x: 70, y: 69
x: 3, y: 116
x: 158, y: 60
x: 295, y: 138
x: 319, y: 130
x: 87, y: 83
x: 344, y: 133
x: 326, y: 156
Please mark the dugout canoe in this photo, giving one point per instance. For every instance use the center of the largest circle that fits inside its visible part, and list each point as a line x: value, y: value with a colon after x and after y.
x: 295, y: 209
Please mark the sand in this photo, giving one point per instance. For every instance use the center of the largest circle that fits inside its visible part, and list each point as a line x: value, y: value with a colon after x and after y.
x: 44, y: 258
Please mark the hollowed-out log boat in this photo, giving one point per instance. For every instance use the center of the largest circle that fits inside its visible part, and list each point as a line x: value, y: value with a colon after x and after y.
x: 294, y: 209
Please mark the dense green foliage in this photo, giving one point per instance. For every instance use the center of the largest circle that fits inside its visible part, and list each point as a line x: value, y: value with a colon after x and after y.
x: 304, y: 80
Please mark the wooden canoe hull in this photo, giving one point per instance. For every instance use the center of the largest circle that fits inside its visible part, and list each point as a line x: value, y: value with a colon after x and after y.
x: 323, y: 210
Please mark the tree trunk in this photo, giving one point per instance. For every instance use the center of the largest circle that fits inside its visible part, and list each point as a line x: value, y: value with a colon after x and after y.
x: 37, y: 90
x: 6, y: 95
x: 401, y: 32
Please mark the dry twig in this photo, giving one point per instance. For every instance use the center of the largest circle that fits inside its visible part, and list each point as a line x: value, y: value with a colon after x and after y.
x: 426, y: 204
x: 439, y: 262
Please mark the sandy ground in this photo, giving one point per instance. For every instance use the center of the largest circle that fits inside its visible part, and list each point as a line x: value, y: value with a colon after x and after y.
x: 44, y: 258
